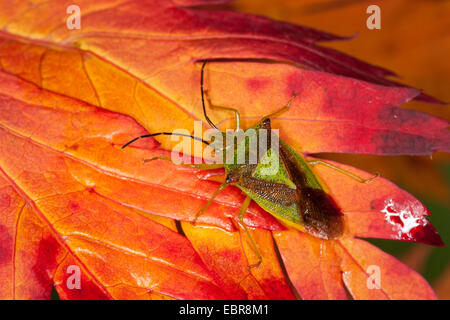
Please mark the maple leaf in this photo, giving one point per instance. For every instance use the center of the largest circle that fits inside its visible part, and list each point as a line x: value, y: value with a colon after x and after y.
x: 71, y: 198
x: 392, y: 48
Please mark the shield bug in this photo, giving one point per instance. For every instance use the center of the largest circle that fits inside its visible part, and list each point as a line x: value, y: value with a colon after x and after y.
x: 292, y: 193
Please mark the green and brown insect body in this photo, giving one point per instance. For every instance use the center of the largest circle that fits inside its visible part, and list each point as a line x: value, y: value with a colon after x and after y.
x: 293, y: 193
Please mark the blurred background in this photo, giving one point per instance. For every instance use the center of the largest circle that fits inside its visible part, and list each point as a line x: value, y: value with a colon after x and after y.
x: 414, y: 42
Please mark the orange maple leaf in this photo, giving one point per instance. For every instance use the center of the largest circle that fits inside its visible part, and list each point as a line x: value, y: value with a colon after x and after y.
x: 71, y: 197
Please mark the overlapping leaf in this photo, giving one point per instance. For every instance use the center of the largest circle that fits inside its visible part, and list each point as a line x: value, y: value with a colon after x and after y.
x: 76, y: 183
x: 70, y: 196
x: 143, y: 51
x: 416, y: 52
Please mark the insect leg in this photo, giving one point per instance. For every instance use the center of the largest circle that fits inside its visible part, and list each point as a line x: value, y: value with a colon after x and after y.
x: 198, y: 166
x: 206, y: 206
x: 212, y: 106
x: 244, y: 207
x: 347, y: 173
x: 285, y: 108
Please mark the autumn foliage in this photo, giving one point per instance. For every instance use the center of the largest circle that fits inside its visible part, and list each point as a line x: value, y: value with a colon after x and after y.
x: 69, y: 195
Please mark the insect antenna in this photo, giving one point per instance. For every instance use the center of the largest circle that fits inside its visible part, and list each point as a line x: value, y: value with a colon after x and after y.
x: 165, y: 134
x: 203, y: 97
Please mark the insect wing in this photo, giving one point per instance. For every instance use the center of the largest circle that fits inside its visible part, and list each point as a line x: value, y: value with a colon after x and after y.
x: 320, y: 214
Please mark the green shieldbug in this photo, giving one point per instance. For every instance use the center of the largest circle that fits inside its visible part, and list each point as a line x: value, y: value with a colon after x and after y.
x: 293, y: 193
